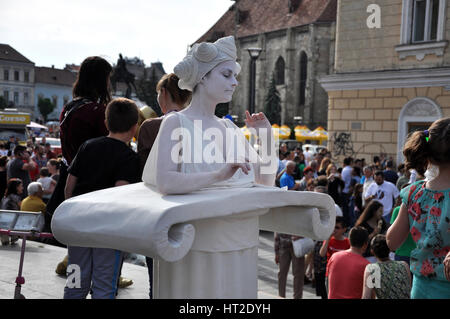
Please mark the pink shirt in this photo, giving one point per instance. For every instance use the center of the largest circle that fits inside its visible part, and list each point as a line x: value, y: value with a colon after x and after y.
x: 346, y: 275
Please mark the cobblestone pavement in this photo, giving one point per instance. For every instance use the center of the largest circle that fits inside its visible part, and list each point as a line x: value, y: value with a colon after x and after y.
x: 41, y: 281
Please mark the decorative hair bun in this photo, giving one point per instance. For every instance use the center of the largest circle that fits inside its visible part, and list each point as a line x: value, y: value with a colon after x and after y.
x: 202, y: 58
x: 186, y: 70
x: 205, y: 52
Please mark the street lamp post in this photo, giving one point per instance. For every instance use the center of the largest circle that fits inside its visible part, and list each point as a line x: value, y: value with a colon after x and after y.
x: 254, y: 54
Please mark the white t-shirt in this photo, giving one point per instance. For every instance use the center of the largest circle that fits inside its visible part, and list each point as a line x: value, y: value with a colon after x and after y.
x: 385, y: 193
x: 369, y: 181
x: 338, y: 211
x: 347, y: 178
x: 46, y: 182
x: 309, y: 157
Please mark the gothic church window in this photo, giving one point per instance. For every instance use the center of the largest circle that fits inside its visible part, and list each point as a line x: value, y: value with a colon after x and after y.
x: 303, y: 77
x: 279, y: 71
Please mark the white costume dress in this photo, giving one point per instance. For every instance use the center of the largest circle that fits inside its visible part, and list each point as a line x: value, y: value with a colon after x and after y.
x: 205, y: 242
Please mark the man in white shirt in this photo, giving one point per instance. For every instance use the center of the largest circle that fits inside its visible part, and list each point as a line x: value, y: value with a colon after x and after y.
x: 384, y: 192
x: 309, y: 156
x: 368, y: 180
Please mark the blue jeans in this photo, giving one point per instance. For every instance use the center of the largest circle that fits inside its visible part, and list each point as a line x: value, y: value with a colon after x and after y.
x: 99, y: 272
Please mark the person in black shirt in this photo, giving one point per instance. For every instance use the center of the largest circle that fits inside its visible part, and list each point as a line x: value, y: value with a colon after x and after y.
x: 101, y: 163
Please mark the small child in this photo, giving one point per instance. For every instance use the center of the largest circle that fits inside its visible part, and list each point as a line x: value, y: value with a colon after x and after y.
x: 48, y: 184
x: 425, y: 212
x: 337, y: 241
x: 101, y: 163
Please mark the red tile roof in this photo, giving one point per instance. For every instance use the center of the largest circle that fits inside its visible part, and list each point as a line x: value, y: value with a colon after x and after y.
x: 260, y: 16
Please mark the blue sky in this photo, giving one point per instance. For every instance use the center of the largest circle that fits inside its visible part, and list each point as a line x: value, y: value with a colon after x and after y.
x: 59, y: 32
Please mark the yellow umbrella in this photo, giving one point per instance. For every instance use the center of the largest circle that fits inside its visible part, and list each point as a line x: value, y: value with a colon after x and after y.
x: 302, y: 133
x: 285, y: 132
x: 276, y: 131
x: 319, y: 134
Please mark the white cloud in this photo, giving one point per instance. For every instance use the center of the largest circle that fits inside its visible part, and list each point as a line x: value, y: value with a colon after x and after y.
x: 56, y: 32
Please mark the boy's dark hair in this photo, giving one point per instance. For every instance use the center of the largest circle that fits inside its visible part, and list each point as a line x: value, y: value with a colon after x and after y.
x: 19, y: 149
x: 432, y: 145
x: 358, y: 236
x: 44, y: 172
x: 170, y: 83
x: 340, y: 220
x: 379, y: 246
x: 93, y: 80
x: 121, y: 114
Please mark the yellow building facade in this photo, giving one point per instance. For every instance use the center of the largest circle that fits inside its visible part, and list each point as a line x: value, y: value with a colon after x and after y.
x: 392, y: 75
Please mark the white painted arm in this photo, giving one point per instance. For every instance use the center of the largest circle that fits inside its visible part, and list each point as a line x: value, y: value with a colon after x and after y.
x: 169, y: 180
x: 267, y: 163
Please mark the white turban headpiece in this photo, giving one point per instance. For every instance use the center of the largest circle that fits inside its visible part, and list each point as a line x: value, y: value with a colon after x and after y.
x: 202, y: 58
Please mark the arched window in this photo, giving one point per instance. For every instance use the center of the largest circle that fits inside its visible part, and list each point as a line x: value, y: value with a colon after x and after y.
x: 279, y: 71
x: 303, y: 77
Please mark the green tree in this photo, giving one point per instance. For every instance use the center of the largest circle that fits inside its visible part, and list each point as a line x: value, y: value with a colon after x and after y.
x: 45, y: 107
x: 3, y: 103
x: 272, y: 103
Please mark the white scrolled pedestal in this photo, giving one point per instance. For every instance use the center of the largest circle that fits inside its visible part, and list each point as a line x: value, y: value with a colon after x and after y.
x: 205, y: 243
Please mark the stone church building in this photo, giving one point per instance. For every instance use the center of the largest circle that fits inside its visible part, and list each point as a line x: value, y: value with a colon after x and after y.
x: 297, y: 38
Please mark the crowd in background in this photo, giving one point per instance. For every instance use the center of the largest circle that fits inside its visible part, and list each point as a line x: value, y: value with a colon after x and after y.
x: 28, y: 175
x: 367, y: 202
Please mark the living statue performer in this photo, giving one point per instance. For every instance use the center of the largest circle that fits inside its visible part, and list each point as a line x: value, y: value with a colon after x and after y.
x: 205, y: 194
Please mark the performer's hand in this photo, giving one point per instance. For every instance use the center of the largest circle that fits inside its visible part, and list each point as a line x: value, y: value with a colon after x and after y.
x: 229, y: 169
x: 257, y: 120
x: 277, y: 259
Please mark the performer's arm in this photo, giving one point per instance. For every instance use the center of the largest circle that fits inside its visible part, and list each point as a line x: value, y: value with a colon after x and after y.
x: 267, y: 164
x: 169, y: 180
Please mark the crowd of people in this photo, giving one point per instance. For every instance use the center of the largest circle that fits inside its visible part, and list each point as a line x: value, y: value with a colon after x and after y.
x: 359, y: 260
x: 391, y: 221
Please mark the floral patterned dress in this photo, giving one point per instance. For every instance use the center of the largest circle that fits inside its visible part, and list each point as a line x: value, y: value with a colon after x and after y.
x: 429, y: 222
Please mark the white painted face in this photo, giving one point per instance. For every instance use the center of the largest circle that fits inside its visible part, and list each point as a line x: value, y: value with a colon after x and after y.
x: 221, y: 82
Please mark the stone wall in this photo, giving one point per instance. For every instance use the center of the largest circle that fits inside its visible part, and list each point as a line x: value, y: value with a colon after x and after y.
x: 372, y: 117
x: 360, y: 48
